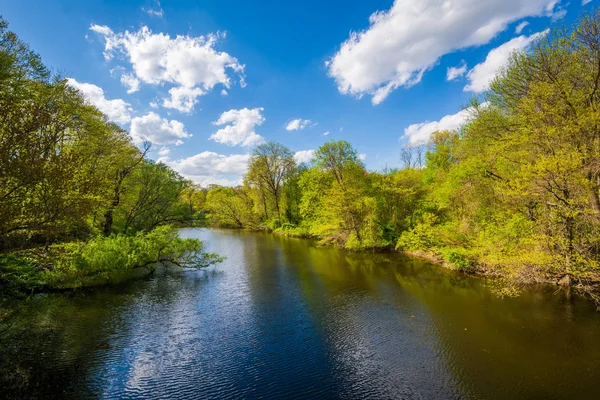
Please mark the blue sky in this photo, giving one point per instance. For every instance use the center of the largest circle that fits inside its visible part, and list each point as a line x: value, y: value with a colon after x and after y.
x: 206, y: 80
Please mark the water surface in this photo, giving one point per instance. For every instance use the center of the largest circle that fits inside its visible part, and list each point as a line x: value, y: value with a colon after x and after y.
x: 281, y: 318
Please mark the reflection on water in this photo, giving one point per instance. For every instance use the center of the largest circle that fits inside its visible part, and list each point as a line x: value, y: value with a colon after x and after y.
x: 284, y: 319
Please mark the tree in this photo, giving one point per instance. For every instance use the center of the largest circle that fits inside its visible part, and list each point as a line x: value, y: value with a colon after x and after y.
x: 346, y: 202
x: 126, y: 159
x: 48, y: 184
x: 152, y: 198
x: 271, y: 165
x: 229, y: 207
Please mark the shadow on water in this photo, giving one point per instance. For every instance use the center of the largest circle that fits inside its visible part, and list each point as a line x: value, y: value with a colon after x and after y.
x: 281, y: 318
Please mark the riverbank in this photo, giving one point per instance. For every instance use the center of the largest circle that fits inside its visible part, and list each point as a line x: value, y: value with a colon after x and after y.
x: 98, y: 261
x: 507, y: 280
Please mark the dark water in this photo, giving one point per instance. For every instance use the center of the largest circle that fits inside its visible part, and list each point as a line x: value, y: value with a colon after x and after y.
x: 283, y: 319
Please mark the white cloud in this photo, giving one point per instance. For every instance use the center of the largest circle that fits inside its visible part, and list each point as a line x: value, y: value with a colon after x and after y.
x: 116, y: 110
x: 183, y: 98
x: 584, y: 2
x: 419, y: 133
x: 224, y: 92
x: 208, y: 167
x: 297, y: 124
x: 130, y: 82
x: 454, y: 72
x: 164, y: 151
x: 240, y: 126
x: 157, y: 130
x: 326, y: 133
x: 559, y: 14
x: 158, y: 12
x: 362, y: 156
x: 409, y: 38
x: 481, y: 75
x: 520, y: 27
x: 190, y: 64
x: 304, y: 156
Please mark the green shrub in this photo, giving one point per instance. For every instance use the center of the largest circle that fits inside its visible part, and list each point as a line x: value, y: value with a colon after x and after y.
x: 77, y: 264
x: 458, y: 258
x: 288, y: 229
x: 274, y: 224
x: 423, y: 236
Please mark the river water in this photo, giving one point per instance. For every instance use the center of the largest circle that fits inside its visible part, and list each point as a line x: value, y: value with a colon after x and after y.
x: 281, y: 318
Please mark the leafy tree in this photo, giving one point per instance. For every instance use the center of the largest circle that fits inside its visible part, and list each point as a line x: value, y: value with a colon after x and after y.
x: 230, y: 207
x: 152, y: 198
x: 271, y: 165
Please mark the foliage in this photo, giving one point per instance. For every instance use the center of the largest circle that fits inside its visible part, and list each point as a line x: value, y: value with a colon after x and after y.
x: 78, y: 199
x: 424, y: 236
x: 75, y: 263
x: 270, y: 167
x: 515, y: 193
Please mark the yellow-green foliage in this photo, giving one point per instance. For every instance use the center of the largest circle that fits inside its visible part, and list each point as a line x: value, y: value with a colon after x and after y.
x: 424, y: 236
x: 515, y: 192
x: 79, y: 263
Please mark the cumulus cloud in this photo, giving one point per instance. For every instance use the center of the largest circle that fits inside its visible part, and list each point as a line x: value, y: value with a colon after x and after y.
x: 481, y: 75
x: 325, y: 133
x: 362, y: 156
x: 116, y: 110
x: 130, y: 82
x: 297, y: 124
x: 409, y: 38
x: 418, y: 134
x: 191, y: 64
x: 239, y: 127
x: 151, y: 127
x: 304, y: 156
x: 212, y: 168
x: 454, y: 72
x: 520, y: 27
x: 183, y: 98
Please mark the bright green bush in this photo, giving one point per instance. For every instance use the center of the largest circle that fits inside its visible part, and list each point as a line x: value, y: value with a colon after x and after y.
x: 292, y: 230
x: 459, y: 259
x: 423, y: 236
x: 79, y: 263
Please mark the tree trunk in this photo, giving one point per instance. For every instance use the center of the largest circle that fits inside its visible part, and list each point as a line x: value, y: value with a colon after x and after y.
x: 108, y: 221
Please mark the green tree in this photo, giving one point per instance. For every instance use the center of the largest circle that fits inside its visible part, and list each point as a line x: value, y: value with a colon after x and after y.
x: 271, y: 165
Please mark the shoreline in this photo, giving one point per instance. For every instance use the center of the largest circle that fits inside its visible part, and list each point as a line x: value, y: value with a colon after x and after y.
x: 589, y: 290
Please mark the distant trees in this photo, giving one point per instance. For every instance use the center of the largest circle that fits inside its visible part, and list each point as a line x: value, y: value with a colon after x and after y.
x: 230, y: 207
x: 515, y: 191
x: 271, y: 166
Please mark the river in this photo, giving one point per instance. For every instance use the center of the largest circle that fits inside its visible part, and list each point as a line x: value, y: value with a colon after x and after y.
x: 281, y: 318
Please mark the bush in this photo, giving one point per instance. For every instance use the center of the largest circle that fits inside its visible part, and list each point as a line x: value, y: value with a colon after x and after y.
x: 18, y: 274
x: 292, y: 230
x: 423, y: 236
x: 103, y: 259
x: 459, y: 259
x: 274, y: 224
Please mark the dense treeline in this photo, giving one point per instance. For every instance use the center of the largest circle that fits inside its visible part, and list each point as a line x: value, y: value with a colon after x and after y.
x: 514, y: 193
x: 75, y: 193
